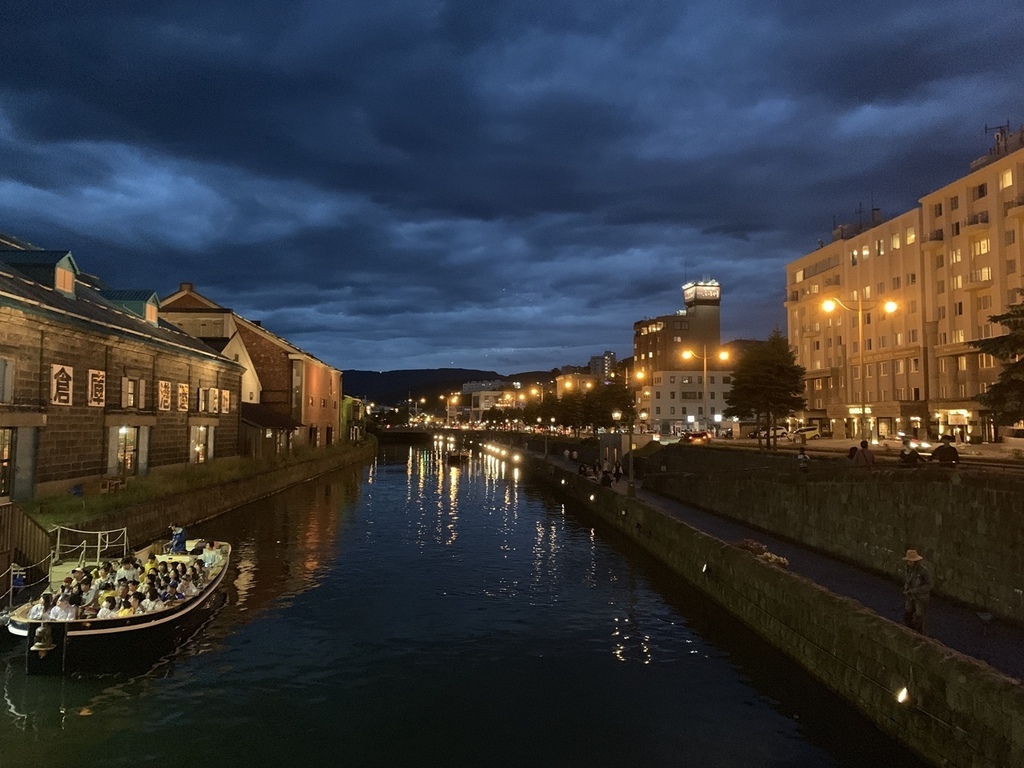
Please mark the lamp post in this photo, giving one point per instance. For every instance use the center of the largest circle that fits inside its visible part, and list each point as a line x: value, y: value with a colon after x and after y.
x: 829, y: 305
x: 687, y: 355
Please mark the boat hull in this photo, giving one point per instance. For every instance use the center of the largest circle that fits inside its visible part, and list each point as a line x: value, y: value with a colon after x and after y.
x: 114, y: 645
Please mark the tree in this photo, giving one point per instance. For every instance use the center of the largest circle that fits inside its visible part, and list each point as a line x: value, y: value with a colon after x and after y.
x: 1005, y: 399
x: 767, y: 384
x: 603, y: 400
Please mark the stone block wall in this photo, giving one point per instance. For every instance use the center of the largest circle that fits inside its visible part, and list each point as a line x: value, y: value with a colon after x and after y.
x: 969, y: 527
x: 960, y: 712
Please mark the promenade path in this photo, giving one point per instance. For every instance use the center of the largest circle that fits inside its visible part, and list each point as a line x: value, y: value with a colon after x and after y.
x: 959, y: 627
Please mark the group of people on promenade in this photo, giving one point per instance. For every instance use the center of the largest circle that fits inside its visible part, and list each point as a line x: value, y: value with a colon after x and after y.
x: 862, y: 456
x: 135, y: 586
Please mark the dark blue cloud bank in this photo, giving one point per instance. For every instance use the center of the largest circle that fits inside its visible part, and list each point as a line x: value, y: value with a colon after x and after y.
x: 413, y: 184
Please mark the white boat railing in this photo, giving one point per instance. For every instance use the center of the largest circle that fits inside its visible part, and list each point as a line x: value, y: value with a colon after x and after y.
x: 90, y: 546
x: 14, y: 579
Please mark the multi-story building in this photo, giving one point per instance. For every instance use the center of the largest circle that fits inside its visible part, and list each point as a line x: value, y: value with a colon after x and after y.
x: 92, y: 384
x: 302, y: 392
x: 659, y: 342
x: 947, y: 266
x: 680, y: 400
x: 603, y: 365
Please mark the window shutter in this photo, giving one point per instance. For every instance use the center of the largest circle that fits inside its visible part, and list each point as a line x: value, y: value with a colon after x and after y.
x: 142, y: 394
x: 124, y: 391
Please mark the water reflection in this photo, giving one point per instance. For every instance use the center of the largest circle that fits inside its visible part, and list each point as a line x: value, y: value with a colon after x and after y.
x: 421, y: 613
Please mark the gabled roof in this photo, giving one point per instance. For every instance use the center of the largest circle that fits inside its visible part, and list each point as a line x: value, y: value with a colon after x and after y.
x: 140, y: 295
x: 39, y: 265
x: 89, y: 307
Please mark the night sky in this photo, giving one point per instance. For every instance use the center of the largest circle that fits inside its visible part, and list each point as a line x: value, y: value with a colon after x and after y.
x: 499, y: 185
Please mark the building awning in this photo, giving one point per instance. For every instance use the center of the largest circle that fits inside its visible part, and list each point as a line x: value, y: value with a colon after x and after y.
x: 265, y: 417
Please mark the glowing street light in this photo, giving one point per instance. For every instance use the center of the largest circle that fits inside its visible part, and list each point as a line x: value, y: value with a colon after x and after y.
x: 829, y: 305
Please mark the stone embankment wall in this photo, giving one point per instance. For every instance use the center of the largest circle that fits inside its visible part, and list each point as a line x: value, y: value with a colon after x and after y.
x: 968, y: 525
x: 959, y: 712
x: 147, y: 522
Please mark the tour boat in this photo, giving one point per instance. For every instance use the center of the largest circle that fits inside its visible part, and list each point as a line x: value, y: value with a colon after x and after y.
x: 89, y: 644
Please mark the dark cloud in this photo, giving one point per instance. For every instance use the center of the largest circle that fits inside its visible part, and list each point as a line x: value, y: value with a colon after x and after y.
x: 505, y: 185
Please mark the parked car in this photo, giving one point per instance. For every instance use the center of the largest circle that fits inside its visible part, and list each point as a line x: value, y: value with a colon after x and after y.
x: 776, y: 432
x: 809, y: 433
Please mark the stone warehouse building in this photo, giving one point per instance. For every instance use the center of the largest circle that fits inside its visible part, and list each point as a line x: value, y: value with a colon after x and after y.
x: 289, y: 397
x: 94, y: 385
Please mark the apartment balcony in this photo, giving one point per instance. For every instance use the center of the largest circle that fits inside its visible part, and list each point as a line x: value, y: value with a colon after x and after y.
x: 977, y: 220
x: 933, y: 239
x: 979, y: 278
x: 1014, y: 207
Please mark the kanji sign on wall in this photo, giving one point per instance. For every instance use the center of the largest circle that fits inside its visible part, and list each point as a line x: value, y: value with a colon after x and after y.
x: 183, y: 397
x: 163, y: 395
x: 225, y: 401
x: 97, y: 395
x: 62, y: 377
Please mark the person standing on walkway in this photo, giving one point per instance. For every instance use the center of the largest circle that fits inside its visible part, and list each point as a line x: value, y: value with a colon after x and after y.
x: 803, y: 461
x: 864, y: 457
x: 946, y: 454
x: 917, y: 589
x: 617, y: 473
x: 565, y: 455
x: 575, y: 456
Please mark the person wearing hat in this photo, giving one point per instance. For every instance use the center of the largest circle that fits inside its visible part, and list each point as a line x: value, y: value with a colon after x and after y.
x: 946, y: 454
x: 917, y: 589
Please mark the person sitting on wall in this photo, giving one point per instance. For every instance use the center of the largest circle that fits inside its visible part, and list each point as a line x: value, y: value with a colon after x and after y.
x: 946, y: 454
x: 908, y: 456
x: 606, y: 479
x: 176, y: 546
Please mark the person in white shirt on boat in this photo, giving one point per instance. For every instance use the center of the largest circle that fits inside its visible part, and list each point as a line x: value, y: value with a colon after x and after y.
x: 109, y: 608
x: 127, y: 571
x: 63, y: 610
x: 211, y: 555
x: 42, y: 607
x: 152, y: 602
x: 188, y: 589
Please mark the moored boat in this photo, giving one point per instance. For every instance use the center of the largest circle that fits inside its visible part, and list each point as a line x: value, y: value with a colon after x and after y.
x: 91, y: 644
x: 460, y: 456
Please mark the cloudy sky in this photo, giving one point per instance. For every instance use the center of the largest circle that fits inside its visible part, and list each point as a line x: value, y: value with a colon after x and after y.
x: 496, y: 184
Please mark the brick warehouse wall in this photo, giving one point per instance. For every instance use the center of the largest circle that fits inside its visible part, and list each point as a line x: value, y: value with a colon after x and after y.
x: 960, y: 712
x: 72, y: 440
x: 968, y: 525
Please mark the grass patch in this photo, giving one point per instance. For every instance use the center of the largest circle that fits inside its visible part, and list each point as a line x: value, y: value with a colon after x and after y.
x: 51, y: 511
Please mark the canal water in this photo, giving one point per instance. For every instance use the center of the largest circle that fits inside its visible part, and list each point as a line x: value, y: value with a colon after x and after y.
x: 412, y: 613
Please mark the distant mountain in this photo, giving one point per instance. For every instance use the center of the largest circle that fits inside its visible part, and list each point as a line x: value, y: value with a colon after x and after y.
x: 395, y: 387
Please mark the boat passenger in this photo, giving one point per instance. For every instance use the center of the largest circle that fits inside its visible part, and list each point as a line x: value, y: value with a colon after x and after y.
x: 175, y: 592
x: 125, y: 609
x: 109, y: 608
x: 127, y: 571
x: 152, y: 602
x: 63, y: 610
x: 176, y: 546
x: 211, y: 555
x: 42, y: 607
x: 136, y: 603
x: 188, y: 589
x: 151, y: 561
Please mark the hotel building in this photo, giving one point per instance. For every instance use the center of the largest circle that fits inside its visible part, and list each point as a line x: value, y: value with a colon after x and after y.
x: 946, y: 266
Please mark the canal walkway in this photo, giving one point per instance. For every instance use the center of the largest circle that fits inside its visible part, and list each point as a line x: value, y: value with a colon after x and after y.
x: 959, y: 627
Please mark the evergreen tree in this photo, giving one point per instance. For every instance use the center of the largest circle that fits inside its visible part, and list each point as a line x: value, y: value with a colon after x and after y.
x: 1005, y: 399
x: 767, y: 384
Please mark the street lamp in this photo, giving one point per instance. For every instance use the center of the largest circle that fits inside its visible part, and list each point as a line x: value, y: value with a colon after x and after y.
x: 687, y: 355
x: 829, y: 305
x: 630, y: 486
